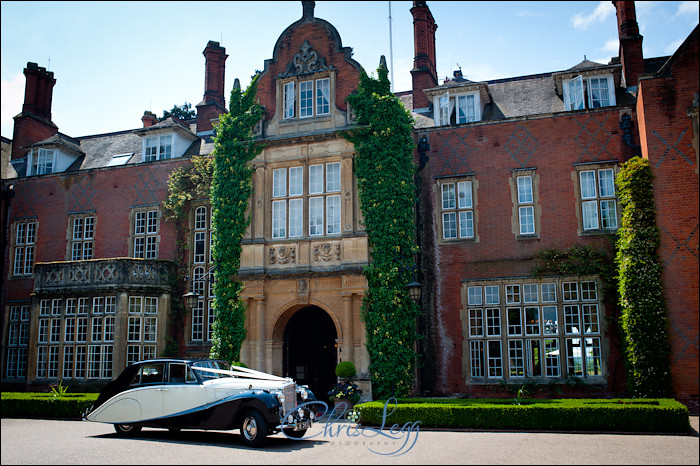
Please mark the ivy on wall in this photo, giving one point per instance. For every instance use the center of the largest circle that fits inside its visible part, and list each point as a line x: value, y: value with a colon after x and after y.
x: 384, y: 169
x: 641, y: 292
x: 231, y: 189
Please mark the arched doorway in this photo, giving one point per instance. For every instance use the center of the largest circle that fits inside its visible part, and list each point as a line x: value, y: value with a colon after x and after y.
x: 310, y: 352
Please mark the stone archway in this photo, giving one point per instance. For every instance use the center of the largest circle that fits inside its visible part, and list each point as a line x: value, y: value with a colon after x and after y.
x: 310, y: 350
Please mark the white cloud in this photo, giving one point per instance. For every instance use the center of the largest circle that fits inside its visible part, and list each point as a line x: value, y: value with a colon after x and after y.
x: 600, y: 14
x: 611, y: 46
x: 673, y: 46
x: 12, y: 93
x: 688, y: 8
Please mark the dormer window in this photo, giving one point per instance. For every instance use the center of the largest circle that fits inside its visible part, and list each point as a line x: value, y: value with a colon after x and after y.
x: 600, y: 92
x: 458, y: 108
x: 158, y: 148
x: 43, y: 161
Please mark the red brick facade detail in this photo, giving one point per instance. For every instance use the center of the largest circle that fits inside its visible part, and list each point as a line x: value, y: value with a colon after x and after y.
x: 553, y: 146
x: 325, y: 41
x: 424, y: 74
x: 630, y: 42
x: 666, y: 135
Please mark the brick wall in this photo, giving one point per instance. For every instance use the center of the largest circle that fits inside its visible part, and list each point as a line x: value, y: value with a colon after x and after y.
x: 324, y: 40
x: 666, y: 138
x: 110, y: 193
x: 490, y: 151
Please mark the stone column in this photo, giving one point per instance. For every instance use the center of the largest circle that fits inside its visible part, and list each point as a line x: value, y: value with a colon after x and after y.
x: 348, y: 333
x: 121, y: 323
x: 260, y: 308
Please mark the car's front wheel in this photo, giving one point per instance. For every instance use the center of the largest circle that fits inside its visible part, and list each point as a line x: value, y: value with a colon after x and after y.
x: 291, y: 433
x: 127, y: 429
x: 253, y: 428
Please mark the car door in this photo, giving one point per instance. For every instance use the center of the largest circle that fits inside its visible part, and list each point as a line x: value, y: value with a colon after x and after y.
x: 182, y: 392
x: 150, y: 393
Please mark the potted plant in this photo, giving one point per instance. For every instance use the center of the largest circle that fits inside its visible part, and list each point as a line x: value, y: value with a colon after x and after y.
x: 345, y: 394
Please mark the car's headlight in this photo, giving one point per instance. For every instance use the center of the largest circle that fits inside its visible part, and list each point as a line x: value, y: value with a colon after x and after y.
x: 280, y: 396
x: 303, y: 393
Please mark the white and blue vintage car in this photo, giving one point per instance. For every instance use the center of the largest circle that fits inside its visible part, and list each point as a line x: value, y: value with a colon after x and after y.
x: 207, y: 394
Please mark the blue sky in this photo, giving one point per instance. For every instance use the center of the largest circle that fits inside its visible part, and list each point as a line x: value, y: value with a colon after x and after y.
x: 114, y: 60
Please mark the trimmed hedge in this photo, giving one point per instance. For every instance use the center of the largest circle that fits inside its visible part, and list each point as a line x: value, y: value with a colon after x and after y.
x: 629, y: 415
x: 45, y: 405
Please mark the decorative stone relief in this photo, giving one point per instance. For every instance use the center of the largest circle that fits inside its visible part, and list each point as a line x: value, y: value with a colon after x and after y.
x: 283, y: 255
x: 305, y: 62
x: 105, y: 273
x: 303, y: 291
x: 79, y: 274
x: 326, y: 252
x: 54, y: 277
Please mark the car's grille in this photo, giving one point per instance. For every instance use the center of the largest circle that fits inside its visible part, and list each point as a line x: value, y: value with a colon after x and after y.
x: 290, y: 398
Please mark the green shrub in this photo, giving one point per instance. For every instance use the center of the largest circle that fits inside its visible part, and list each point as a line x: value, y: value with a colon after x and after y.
x: 345, y: 370
x: 659, y: 415
x: 46, y: 405
x: 644, y: 320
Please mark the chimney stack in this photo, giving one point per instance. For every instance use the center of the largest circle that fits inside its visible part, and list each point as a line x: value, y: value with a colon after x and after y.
x: 149, y: 119
x: 213, y: 104
x: 423, y: 74
x: 631, y: 55
x: 34, y: 123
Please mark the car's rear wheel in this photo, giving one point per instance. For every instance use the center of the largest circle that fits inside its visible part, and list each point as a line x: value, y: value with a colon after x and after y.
x: 127, y: 429
x: 291, y: 433
x: 253, y: 428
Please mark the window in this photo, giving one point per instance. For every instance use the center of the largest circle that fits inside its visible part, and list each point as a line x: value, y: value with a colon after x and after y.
x: 523, y: 338
x: 323, y: 96
x: 289, y: 99
x: 158, y: 148
x: 598, y: 199
x: 17, y: 341
x: 201, y: 233
x: 77, y: 340
x: 306, y: 99
x: 324, y: 211
x: 42, y: 161
x: 145, y: 234
x: 457, y: 210
x: 314, y: 98
x: 24, y: 244
x: 526, y: 208
x: 81, y: 237
x: 599, y: 89
x: 459, y: 108
x: 466, y: 108
x: 142, y: 328
x: 525, y: 216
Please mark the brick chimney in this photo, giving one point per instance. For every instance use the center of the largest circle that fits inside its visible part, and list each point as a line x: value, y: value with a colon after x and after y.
x: 423, y: 74
x: 214, y: 103
x: 630, y: 42
x: 149, y: 119
x: 34, y: 123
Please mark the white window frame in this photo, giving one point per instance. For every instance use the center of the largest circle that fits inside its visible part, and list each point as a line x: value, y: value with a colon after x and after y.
x: 306, y: 99
x: 158, y: 147
x: 24, y: 243
x: 457, y: 205
x: 289, y: 100
x: 475, y: 106
x: 598, y: 199
x: 42, y: 162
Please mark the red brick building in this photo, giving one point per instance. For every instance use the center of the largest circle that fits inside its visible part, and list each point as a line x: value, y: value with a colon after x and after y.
x: 93, y: 277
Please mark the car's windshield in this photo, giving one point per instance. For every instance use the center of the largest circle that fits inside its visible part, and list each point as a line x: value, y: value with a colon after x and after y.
x: 215, y: 365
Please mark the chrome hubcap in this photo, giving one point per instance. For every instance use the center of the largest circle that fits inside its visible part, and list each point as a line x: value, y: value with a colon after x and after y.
x: 250, y: 428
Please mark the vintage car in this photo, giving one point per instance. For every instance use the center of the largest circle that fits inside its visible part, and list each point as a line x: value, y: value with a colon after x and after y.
x: 207, y: 394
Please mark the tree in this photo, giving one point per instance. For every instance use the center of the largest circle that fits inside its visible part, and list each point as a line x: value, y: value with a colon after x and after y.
x: 385, y: 171
x: 182, y: 112
x: 231, y: 190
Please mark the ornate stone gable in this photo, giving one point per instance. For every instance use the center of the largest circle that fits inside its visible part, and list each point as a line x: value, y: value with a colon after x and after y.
x: 307, y: 61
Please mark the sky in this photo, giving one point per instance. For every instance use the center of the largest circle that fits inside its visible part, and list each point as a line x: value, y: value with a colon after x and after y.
x: 114, y: 60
